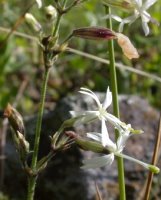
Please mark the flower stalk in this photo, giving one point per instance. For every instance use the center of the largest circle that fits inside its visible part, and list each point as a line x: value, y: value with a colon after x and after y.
x: 115, y: 105
x: 32, y: 179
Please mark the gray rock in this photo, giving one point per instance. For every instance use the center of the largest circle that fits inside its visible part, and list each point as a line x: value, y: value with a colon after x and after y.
x: 63, y: 179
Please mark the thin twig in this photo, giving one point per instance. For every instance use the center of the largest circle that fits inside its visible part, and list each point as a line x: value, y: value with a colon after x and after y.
x: 93, y: 57
x: 118, y: 65
x: 154, y: 162
x: 16, y: 25
x: 98, y: 194
x: 24, y: 35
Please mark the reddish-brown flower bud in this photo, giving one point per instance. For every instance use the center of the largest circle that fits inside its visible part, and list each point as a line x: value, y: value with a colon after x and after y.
x: 94, y: 33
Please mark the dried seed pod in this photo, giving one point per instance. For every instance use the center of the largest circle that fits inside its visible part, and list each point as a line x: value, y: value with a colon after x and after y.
x: 15, y: 119
x: 127, y: 47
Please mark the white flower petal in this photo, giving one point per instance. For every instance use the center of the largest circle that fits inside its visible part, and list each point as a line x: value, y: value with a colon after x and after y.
x: 91, y: 94
x: 145, y: 16
x: 115, y: 17
x: 145, y: 28
x: 106, y: 141
x: 84, y: 117
x: 88, y: 118
x: 108, y: 99
x: 98, y: 162
x: 148, y: 4
x: 39, y: 3
x: 105, y: 136
x: 78, y: 113
x: 138, y: 2
x: 121, y: 142
x: 95, y: 136
x: 113, y: 120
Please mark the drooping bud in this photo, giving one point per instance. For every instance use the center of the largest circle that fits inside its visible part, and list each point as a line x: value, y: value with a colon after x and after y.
x: 94, y: 33
x: 31, y: 20
x: 15, y: 119
x: 86, y: 144
x: 51, y: 12
x: 127, y: 47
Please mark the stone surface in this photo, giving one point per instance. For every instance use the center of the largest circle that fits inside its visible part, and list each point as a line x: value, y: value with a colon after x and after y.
x: 63, y: 179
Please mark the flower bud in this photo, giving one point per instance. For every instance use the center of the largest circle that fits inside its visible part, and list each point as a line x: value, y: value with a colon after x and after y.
x: 154, y: 169
x: 30, y: 19
x: 94, y: 33
x: 51, y: 12
x: 39, y: 3
x: 15, y: 119
x: 86, y: 144
x: 127, y: 47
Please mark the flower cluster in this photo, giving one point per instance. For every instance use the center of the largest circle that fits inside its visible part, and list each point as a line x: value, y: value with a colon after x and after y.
x: 113, y: 148
x: 139, y: 10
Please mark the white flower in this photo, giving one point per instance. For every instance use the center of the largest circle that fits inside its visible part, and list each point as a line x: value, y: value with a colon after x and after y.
x: 115, y: 149
x: 100, y: 113
x: 140, y: 10
x: 39, y: 3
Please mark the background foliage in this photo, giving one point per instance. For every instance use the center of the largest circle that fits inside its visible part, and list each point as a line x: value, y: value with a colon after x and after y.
x: 20, y: 58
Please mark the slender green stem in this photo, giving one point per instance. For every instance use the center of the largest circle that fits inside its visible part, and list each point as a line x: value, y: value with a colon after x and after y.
x: 120, y: 165
x: 57, y: 24
x: 32, y: 180
x: 39, y: 120
x: 31, y: 187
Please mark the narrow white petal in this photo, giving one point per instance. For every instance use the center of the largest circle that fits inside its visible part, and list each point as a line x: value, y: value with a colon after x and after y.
x: 121, y: 141
x: 98, y: 162
x: 115, y: 17
x: 105, y: 136
x: 113, y: 120
x: 91, y: 94
x: 106, y: 141
x: 78, y: 113
x: 95, y: 136
x: 108, y: 99
x: 145, y: 28
x: 138, y: 2
x: 148, y: 4
x: 39, y: 3
x: 128, y: 20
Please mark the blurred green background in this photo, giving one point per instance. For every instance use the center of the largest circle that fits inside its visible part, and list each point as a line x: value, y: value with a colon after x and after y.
x: 21, y: 59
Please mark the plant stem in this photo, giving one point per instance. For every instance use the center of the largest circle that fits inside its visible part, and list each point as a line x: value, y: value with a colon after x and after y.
x: 120, y: 165
x: 32, y: 180
x: 56, y: 26
x: 154, y: 161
